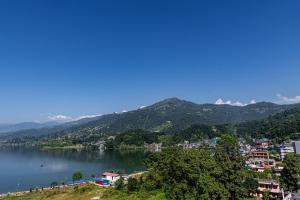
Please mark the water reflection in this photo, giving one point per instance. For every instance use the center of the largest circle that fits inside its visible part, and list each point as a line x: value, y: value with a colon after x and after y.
x: 22, y: 168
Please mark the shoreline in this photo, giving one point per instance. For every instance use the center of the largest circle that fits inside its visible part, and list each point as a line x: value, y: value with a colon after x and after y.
x: 21, y: 193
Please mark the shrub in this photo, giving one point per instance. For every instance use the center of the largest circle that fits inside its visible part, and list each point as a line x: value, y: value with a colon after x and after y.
x: 132, y: 184
x: 77, y: 176
x: 119, y: 184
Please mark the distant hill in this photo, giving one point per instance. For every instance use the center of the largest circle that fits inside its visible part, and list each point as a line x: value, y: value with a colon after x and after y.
x: 170, y: 115
x: 24, y: 126
x: 282, y: 126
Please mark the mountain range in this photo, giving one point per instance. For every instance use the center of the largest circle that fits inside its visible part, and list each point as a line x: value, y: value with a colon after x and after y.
x: 170, y: 115
x: 25, y: 125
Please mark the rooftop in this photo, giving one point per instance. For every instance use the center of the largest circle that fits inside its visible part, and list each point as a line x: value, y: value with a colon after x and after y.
x: 110, y: 174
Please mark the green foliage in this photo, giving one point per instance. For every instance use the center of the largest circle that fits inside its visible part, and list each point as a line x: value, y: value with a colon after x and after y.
x: 201, y: 174
x: 177, y: 114
x: 151, y: 181
x: 188, y: 174
x: 135, y: 138
x: 266, y: 195
x: 132, y: 184
x: 53, y: 184
x: 232, y: 164
x: 119, y: 184
x: 196, y: 133
x: 250, y: 184
x: 77, y: 176
x: 266, y: 174
x: 84, y: 189
x: 280, y: 127
x: 291, y: 172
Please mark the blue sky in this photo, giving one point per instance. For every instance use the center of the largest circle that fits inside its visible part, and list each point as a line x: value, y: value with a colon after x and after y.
x: 75, y: 58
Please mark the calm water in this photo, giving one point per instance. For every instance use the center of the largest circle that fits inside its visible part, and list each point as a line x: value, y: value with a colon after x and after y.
x: 20, y: 169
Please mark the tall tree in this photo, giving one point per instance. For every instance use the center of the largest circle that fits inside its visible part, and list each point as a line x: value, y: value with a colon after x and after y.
x: 291, y: 172
x: 188, y: 174
x: 232, y: 163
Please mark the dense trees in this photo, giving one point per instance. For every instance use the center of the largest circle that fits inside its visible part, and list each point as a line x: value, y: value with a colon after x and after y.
x: 198, y: 132
x: 119, y: 184
x: 291, y: 172
x: 133, y: 138
x: 228, y: 157
x: 187, y: 174
x: 280, y: 127
x: 202, y: 174
x: 132, y: 184
x: 138, y: 138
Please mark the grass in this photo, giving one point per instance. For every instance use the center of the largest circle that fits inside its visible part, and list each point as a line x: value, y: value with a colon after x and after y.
x: 87, y: 192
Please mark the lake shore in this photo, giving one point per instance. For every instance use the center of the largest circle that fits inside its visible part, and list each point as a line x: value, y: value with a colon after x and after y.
x: 22, y: 193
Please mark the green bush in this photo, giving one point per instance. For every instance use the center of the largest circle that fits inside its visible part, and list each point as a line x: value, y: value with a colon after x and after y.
x: 77, y: 176
x: 132, y: 184
x: 119, y: 184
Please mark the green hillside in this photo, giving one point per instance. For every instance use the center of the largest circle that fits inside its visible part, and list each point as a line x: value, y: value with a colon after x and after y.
x: 169, y: 116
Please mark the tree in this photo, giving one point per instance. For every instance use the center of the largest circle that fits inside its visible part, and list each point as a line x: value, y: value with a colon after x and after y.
x: 132, y: 184
x: 119, y: 184
x: 228, y: 157
x: 77, y: 176
x: 266, y: 195
x: 291, y: 172
x: 187, y: 174
x: 53, y: 184
x: 250, y: 184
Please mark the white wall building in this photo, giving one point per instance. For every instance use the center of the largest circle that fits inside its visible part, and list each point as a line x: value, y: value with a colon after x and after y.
x: 112, y: 177
x: 285, y: 149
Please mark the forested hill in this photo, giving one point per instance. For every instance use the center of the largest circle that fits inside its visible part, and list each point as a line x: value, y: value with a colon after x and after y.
x: 170, y: 116
x: 282, y: 126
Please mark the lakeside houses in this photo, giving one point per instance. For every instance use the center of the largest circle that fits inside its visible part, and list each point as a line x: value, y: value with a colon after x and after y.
x: 188, y: 145
x: 101, y: 145
x: 111, y: 177
x: 209, y: 143
x: 155, y: 147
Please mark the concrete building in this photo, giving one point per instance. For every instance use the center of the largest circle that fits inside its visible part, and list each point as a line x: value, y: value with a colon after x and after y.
x: 285, y: 149
x: 111, y: 177
x: 296, y: 145
x: 269, y: 185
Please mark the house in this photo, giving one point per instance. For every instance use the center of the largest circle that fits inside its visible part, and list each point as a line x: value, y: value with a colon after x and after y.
x: 155, y: 147
x: 268, y: 185
x: 285, y: 149
x: 101, y: 145
x: 259, y: 154
x: 111, y: 177
x: 292, y: 196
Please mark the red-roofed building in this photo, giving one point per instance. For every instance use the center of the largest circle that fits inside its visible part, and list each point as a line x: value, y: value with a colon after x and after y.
x: 112, y: 177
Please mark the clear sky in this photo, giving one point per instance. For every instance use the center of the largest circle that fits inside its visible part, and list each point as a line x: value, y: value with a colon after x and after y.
x: 77, y: 58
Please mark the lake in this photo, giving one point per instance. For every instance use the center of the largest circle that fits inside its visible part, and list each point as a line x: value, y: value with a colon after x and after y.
x: 21, y: 169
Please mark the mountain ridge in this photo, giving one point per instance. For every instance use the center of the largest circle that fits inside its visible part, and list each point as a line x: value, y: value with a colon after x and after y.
x: 169, y: 115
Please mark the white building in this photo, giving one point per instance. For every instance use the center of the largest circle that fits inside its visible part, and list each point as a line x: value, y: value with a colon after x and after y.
x: 296, y: 145
x: 285, y: 149
x: 111, y: 177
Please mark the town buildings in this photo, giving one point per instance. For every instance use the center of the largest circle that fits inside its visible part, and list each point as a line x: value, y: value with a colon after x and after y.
x: 271, y: 186
x: 285, y: 149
